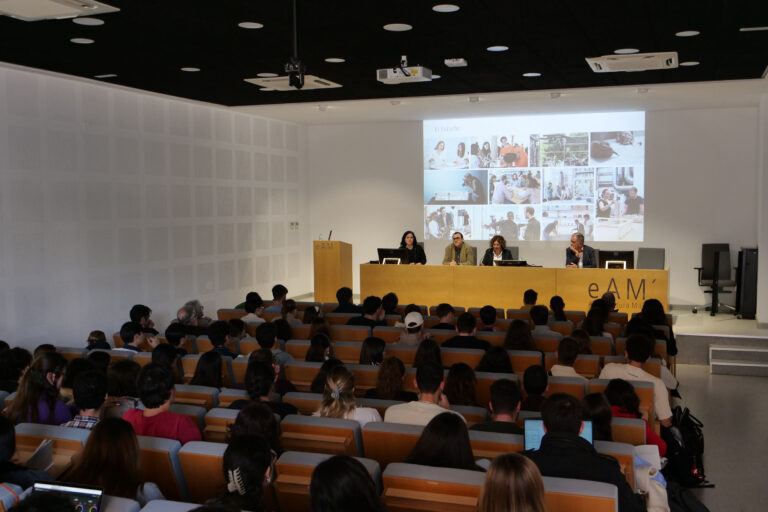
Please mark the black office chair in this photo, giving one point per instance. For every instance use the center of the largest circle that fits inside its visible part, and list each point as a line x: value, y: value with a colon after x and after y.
x: 515, y: 250
x: 715, y: 274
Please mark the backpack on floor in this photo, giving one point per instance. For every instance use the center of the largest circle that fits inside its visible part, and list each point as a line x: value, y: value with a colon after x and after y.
x: 685, y: 450
x: 682, y: 500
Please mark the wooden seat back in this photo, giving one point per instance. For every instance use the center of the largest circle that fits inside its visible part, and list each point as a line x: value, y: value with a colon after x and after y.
x: 321, y: 435
x: 201, y: 463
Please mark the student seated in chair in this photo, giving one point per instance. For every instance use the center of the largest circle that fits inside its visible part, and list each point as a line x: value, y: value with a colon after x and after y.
x: 414, y: 330
x: 260, y: 378
x: 254, y: 306
x: 10, y: 470
x: 279, y: 294
x: 218, y: 333
x: 266, y: 335
x: 466, y: 328
x: 566, y: 455
x: 344, y: 298
x: 156, y: 392
x: 504, y: 406
x: 373, y: 314
x: 446, y: 316
x: 90, y: 392
x: 488, y: 319
x: 175, y: 335
x: 133, y: 336
x: 535, y: 385
x: 431, y: 402
x: 540, y: 317
x: 567, y: 353
x: 529, y: 299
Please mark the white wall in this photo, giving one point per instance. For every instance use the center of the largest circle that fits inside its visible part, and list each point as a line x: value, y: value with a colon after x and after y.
x: 111, y: 197
x: 701, y: 186
x: 762, y: 225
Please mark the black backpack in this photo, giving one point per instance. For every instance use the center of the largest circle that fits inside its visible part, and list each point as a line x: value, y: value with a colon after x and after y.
x: 685, y: 450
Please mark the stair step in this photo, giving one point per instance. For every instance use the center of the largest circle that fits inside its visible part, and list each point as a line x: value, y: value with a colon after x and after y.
x: 738, y: 353
x: 739, y: 367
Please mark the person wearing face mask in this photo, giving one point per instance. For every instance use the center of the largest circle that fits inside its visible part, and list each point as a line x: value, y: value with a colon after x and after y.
x: 415, y: 253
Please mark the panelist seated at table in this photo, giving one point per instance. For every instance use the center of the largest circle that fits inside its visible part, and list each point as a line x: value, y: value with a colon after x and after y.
x: 459, y: 252
x: 497, y: 251
x: 414, y: 252
x: 580, y: 253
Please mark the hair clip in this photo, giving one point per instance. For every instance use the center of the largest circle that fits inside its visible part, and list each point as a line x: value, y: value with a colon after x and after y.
x: 335, y: 393
x: 235, y: 481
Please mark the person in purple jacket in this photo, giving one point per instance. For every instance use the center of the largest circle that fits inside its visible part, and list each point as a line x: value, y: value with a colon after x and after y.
x: 37, y: 399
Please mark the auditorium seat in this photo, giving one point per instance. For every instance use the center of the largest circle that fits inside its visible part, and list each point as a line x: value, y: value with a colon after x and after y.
x: 118, y: 504
x: 217, y: 422
x: 194, y: 412
x: 527, y: 415
x: 587, y: 365
x: 489, y: 445
x: 294, y: 473
x: 328, y: 307
x: 391, y: 320
x: 405, y: 353
x: 203, y: 344
x: 520, y: 314
x: 575, y: 317
x: 643, y: 389
x: 601, y: 345
x: 495, y: 338
x: 271, y: 316
x: 201, y: 463
x: 228, y: 314
x: 203, y: 396
x: 574, y: 386
x: 388, y: 334
x: 620, y: 346
x: 660, y: 350
x: 502, y: 324
x: 239, y: 367
x: 365, y: 377
x: 613, y: 328
x: 349, y: 332
x: 401, y: 309
x: 229, y: 395
x: 70, y: 353
x: 9, y: 495
x: 458, y: 310
x: 160, y: 464
x: 248, y: 345
x: 377, y: 403
x: 8, y: 398
x: 670, y: 320
x: 389, y: 442
x: 142, y: 358
x: 618, y: 318
x: 117, y: 355
x: 410, y: 487
x: 563, y: 327
x: 472, y: 413
x: 476, y: 312
x: 440, y: 335
x: 168, y: 506
x: 430, y: 321
x: 522, y: 359
x: 3, y: 396
x: 470, y: 356
x: 339, y: 318
x: 628, y: 430
x: 301, y: 373
x: 321, y: 435
x: 305, y: 304
x: 67, y: 443
x: 348, y: 352
x: 546, y: 343
x: 306, y: 403
x: 300, y: 332
x: 622, y: 452
x: 484, y: 382
x: 572, y: 495
x: 297, y: 349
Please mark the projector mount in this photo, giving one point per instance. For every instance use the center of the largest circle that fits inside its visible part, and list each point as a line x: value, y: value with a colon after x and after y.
x: 294, y: 67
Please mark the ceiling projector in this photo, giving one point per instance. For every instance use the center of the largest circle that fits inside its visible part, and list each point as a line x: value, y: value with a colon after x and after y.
x: 403, y: 74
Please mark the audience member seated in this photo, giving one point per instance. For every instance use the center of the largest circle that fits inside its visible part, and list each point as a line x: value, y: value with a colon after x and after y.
x: 342, y: 484
x: 198, y: 312
x: 208, y: 371
x: 624, y: 403
x: 166, y: 354
x: 156, y: 393
x: 141, y: 314
x: 410, y: 308
x: 389, y: 382
x: 431, y: 402
x: 504, y: 406
x: 122, y: 388
x: 318, y: 383
x: 259, y: 381
x: 283, y: 330
x: 444, y: 443
x: 290, y: 312
x: 175, y: 334
x: 495, y: 360
x: 37, y: 399
x: 653, y: 313
x: 428, y: 350
x: 90, y: 393
x: 100, y: 360
x: 567, y: 353
x: 597, y: 410
x: 218, y: 333
x: 344, y: 298
x: 488, y: 319
x: 110, y: 460
x: 639, y: 325
x: 74, y: 368
x: 320, y: 349
x: 581, y: 336
x: 43, y: 502
x: 256, y: 419
x: 133, y: 336
x: 279, y: 294
x: 466, y: 327
x: 248, y: 464
x: 566, y: 455
x: 540, y: 317
x: 42, y: 348
x: 557, y: 308
x: 254, y: 306
x: 389, y: 304
x: 188, y: 321
x: 10, y: 471
x: 282, y: 384
x: 319, y: 325
x: 595, y: 322
x: 13, y: 364
x: 460, y: 385
x: 638, y: 351
x: 414, y: 329
x: 372, y: 351
x: 519, y: 336
x: 535, y: 385
x: 513, y: 483
x: 97, y: 339
x: 529, y: 299
x: 339, y: 399
x: 266, y: 335
x: 237, y: 329
x: 311, y: 313
x: 373, y: 314
x: 446, y: 317
x: 610, y: 301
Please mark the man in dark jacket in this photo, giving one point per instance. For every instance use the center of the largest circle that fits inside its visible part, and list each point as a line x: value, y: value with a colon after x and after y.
x: 564, y: 454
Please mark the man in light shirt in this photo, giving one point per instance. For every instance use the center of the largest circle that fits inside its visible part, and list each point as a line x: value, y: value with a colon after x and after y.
x: 567, y: 353
x: 431, y: 402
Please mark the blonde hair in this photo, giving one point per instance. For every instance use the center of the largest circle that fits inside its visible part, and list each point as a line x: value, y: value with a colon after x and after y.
x: 512, y: 484
x: 339, y: 394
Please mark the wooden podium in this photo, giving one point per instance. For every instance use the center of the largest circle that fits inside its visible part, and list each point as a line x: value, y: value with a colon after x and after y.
x: 333, y: 268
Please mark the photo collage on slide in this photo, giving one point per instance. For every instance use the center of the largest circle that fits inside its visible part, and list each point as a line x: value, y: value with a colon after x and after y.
x: 535, y: 186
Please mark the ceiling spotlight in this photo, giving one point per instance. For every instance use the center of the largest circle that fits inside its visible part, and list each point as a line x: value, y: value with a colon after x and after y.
x: 252, y: 25
x: 752, y: 29
x: 532, y: 74
x: 435, y: 77
x: 394, y: 102
x: 642, y: 90
x: 626, y: 51
x: 554, y: 95
x: 689, y: 63
x: 498, y: 48
x: 89, y: 22
x: 445, y: 8
x: 687, y: 33
x: 190, y: 69
x: 81, y: 40
x: 474, y: 99
x: 322, y: 108
x: 267, y: 89
x: 335, y: 60
x: 398, y: 27
x: 266, y: 75
x: 107, y: 75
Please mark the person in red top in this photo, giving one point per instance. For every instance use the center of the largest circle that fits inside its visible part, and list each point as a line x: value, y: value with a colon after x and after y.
x: 626, y: 404
x: 156, y: 393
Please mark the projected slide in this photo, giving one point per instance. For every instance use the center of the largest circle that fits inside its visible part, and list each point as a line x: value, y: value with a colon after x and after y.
x: 536, y: 178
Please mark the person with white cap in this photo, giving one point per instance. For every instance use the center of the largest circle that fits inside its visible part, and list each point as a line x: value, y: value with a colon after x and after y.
x: 414, y: 329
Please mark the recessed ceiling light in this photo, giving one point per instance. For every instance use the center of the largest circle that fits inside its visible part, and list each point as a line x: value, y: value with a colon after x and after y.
x: 435, y: 77
x: 81, y: 40
x: 267, y: 89
x: 108, y: 75
x: 90, y: 22
x: 250, y: 25
x: 626, y: 51
x: 266, y: 75
x: 335, y: 60
x: 498, y: 48
x: 690, y: 63
x: 752, y: 29
x: 687, y: 33
x: 532, y: 74
x: 190, y: 69
x: 445, y: 8
x: 398, y: 27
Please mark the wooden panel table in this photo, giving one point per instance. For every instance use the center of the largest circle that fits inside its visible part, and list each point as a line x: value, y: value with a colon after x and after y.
x: 503, y: 287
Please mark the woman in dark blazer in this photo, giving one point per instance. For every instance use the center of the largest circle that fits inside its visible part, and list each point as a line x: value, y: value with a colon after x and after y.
x: 415, y: 252
x: 497, y: 250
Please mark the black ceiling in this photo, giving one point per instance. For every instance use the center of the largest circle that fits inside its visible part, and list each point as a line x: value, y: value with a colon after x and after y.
x: 148, y: 41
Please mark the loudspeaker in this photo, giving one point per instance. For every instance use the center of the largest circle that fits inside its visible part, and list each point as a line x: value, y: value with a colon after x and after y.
x: 746, y: 280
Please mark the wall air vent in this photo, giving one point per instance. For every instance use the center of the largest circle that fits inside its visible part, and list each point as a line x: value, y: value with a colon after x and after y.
x: 36, y: 10
x: 280, y: 83
x: 635, y: 62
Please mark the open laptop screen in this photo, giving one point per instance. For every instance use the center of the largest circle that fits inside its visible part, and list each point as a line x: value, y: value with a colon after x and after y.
x: 83, y: 498
x: 534, y: 431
